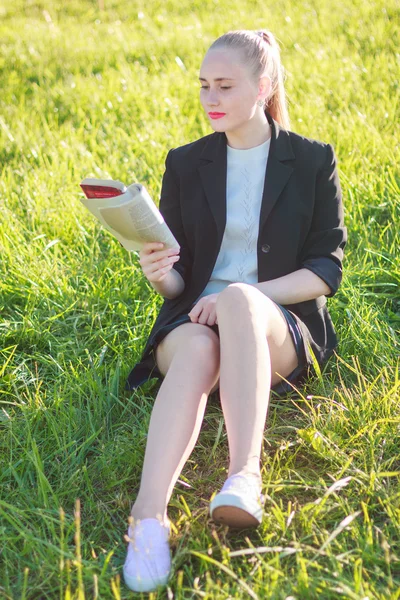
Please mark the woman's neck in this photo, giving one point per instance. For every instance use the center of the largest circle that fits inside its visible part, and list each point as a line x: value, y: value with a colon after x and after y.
x: 255, y: 133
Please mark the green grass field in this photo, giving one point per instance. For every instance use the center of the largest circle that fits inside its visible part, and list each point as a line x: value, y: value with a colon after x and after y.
x: 105, y: 90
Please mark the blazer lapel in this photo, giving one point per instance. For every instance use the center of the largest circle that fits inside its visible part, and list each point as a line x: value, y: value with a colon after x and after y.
x: 214, y: 168
x: 277, y: 172
x: 213, y: 177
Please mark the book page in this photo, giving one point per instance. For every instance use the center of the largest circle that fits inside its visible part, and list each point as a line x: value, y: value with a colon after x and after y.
x: 132, y: 218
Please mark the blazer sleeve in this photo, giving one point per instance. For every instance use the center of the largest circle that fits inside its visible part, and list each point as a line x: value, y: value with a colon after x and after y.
x: 322, y: 252
x: 170, y: 209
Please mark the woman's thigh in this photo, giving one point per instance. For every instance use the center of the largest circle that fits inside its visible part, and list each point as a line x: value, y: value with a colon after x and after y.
x: 179, y: 338
x: 282, y: 350
x: 237, y: 298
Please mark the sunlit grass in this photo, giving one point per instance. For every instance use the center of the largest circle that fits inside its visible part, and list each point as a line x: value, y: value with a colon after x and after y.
x: 86, y: 91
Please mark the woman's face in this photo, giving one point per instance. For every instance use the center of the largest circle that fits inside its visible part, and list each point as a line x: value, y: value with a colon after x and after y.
x: 226, y: 88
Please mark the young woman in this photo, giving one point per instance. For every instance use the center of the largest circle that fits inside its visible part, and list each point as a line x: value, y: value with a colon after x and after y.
x: 257, y: 212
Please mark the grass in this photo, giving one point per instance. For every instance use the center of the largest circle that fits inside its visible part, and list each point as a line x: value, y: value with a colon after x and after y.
x: 105, y: 89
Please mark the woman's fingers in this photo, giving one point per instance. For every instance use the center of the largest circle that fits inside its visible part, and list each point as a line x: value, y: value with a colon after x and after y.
x: 156, y: 262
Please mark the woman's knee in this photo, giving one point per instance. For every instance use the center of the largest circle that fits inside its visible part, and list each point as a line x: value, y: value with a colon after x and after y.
x: 241, y: 299
x: 196, y: 343
x: 238, y: 291
x: 203, y: 347
x: 243, y: 303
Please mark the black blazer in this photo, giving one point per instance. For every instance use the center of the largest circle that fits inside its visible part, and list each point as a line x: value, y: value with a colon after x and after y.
x: 301, y: 226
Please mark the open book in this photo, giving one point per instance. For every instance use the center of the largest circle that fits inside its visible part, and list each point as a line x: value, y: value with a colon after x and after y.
x: 127, y: 212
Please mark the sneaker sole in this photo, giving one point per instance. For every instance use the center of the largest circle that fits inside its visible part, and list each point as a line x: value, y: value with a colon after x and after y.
x: 144, y: 585
x: 230, y: 509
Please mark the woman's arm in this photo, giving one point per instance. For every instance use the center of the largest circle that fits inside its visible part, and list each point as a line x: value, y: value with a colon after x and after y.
x: 323, y: 250
x: 298, y: 286
x: 174, y: 284
x: 321, y: 257
x: 170, y: 287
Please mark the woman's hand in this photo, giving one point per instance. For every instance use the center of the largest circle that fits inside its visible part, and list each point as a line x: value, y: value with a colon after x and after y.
x: 204, y: 312
x: 156, y: 262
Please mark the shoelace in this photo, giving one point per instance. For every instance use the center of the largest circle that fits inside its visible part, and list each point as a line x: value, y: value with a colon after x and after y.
x: 242, y: 483
x: 130, y: 536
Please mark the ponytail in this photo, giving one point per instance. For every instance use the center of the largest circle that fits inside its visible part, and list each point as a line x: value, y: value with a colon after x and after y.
x: 276, y: 105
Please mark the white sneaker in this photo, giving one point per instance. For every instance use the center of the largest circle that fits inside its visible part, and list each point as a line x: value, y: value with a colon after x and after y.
x: 240, y: 502
x: 148, y: 561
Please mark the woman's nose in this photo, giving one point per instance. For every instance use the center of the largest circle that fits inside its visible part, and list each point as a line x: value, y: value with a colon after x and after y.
x: 212, y: 98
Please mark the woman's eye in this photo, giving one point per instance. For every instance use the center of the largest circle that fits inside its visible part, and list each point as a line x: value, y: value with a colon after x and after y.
x: 203, y: 87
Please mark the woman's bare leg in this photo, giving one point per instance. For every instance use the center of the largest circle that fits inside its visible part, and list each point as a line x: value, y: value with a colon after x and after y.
x: 177, y: 415
x: 253, y: 333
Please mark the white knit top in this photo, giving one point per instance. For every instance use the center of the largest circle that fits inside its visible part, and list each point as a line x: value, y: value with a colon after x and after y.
x: 237, y: 258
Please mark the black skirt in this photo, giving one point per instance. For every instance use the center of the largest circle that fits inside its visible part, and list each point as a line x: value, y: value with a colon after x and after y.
x: 148, y: 368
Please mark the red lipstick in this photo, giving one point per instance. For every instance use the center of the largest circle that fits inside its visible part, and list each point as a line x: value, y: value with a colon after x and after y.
x: 216, y: 115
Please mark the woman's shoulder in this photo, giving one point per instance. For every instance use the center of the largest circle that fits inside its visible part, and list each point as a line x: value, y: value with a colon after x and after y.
x: 185, y: 159
x: 195, y: 148
x: 305, y: 141
x: 305, y: 149
x: 309, y: 148
x: 308, y: 152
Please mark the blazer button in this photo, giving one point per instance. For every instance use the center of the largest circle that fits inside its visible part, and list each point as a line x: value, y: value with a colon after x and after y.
x: 265, y: 247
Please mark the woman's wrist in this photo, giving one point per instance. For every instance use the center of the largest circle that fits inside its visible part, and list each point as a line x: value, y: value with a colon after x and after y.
x: 171, y: 287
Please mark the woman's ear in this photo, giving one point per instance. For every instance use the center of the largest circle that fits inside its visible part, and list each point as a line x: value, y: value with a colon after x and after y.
x: 264, y: 87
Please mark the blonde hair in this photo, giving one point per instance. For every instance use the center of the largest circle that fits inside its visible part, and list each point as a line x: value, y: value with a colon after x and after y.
x: 261, y: 54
